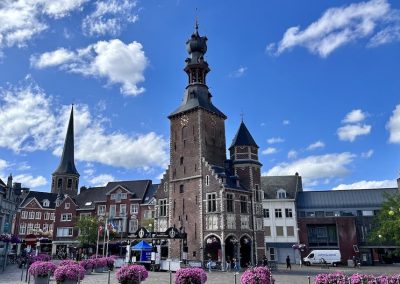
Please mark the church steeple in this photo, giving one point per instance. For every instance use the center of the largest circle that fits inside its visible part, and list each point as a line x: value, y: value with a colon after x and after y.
x: 66, y: 177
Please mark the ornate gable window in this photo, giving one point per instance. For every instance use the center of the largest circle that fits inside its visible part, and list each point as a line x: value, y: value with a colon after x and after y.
x: 46, y: 203
x: 281, y: 194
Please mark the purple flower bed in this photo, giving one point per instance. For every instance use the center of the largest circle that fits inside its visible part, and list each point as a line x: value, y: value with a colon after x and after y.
x: 132, y: 274
x: 257, y: 275
x: 190, y: 276
x: 69, y: 272
x: 67, y: 262
x: 39, y: 257
x: 99, y: 262
x: 340, y: 278
x: 87, y: 264
x: 42, y: 269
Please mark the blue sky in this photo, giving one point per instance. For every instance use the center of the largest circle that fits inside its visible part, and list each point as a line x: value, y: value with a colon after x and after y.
x: 318, y: 85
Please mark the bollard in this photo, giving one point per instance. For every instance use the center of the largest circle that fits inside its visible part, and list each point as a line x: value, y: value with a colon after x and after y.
x: 270, y: 278
x: 235, y: 276
x: 170, y: 276
x: 79, y: 279
x: 29, y: 279
x: 22, y: 273
x: 109, y: 275
x: 309, y: 279
x: 26, y: 273
x: 48, y: 278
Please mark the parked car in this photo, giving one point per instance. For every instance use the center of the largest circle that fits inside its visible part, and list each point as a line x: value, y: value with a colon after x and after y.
x: 323, y: 257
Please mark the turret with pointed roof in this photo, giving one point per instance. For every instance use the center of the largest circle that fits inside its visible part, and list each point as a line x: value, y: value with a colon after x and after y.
x: 65, y: 179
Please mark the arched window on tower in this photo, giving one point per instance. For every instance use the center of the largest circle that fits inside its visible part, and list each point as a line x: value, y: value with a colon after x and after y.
x: 181, y: 161
x: 59, y: 183
x: 184, y: 132
x: 69, y: 183
x: 207, y: 180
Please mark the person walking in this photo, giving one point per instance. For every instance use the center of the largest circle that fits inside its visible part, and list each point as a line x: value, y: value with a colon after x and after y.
x: 235, y: 265
x: 288, y: 265
x: 209, y: 265
x: 265, y: 261
x: 228, y: 265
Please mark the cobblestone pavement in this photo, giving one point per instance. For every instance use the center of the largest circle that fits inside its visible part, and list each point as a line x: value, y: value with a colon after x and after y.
x: 298, y: 275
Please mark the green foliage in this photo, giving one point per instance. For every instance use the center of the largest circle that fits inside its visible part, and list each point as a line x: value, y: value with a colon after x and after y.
x: 387, y: 222
x: 88, y: 226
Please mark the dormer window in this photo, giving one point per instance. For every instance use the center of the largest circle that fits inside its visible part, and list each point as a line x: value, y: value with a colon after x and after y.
x: 46, y: 203
x: 281, y: 194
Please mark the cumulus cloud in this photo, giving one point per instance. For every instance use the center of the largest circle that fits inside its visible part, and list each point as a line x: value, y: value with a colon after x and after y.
x: 239, y: 72
x: 356, y: 115
x: 109, y: 17
x: 292, y: 154
x: 393, y: 126
x: 101, y: 180
x: 364, y: 184
x: 316, y: 145
x: 269, y: 151
x: 313, y: 168
x: 352, y: 131
x: 3, y: 164
x: 117, y: 62
x: 339, y: 26
x: 274, y: 140
x: 28, y: 123
x: 367, y: 154
x: 21, y: 20
x: 30, y: 181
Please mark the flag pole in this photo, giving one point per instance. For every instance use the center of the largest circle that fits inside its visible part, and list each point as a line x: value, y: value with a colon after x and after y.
x: 98, y: 239
x: 108, y: 240
x: 105, y: 232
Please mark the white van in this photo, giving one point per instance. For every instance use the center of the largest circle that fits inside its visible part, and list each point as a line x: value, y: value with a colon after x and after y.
x: 323, y: 257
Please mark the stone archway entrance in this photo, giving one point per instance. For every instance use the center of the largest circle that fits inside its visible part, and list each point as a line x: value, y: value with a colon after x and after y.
x: 231, y: 248
x: 212, y: 248
x: 245, y: 251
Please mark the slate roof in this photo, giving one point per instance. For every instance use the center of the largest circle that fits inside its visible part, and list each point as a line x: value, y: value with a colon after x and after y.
x: 2, y: 184
x: 291, y: 184
x: 136, y: 187
x: 351, y: 198
x: 91, y: 194
x: 67, y: 164
x: 40, y: 196
x: 150, y: 193
x: 228, y: 177
x: 243, y: 137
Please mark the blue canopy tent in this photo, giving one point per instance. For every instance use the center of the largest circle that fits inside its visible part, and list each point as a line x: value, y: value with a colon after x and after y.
x: 145, y: 251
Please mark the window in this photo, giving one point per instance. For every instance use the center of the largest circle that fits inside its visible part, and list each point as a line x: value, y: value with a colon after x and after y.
x: 133, y: 225
x: 230, y: 221
x: 272, y: 254
x: 46, y: 203
x: 51, y: 227
x: 113, y: 210
x: 64, y: 232
x: 134, y: 208
x: 290, y: 231
x: 29, y: 229
x: 244, y: 222
x: 368, y: 213
x: 38, y: 215
x: 113, y: 195
x: 66, y: 217
x: 329, y: 214
x: 52, y: 217
x: 243, y: 204
x: 31, y: 215
x: 181, y: 161
x: 259, y: 224
x: 229, y: 202
x: 288, y: 213
x: 124, y: 195
x: 101, y: 210
x: 148, y: 214
x: 207, y: 180
x: 24, y: 215
x: 59, y: 183
x: 181, y: 188
x: 267, y: 231
x: 46, y: 215
x: 22, y: 229
x: 162, y: 207
x: 166, y: 187
x: 278, y: 213
x: 281, y: 194
x: 37, y: 227
x: 266, y: 213
x: 122, y: 209
x: 212, y: 222
x: 45, y: 227
x: 212, y: 202
x: 67, y: 205
x: 69, y: 183
x: 279, y: 231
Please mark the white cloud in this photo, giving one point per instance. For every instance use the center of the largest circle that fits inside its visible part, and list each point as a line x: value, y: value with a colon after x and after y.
x: 274, y: 140
x: 364, y: 184
x: 269, y: 151
x: 351, y: 131
x: 239, y: 72
x: 316, y: 145
x: 113, y: 60
x: 21, y: 20
x: 286, y: 122
x: 109, y: 17
x: 341, y: 25
x: 3, y: 164
x: 30, y: 181
x: 393, y: 125
x: 356, y: 115
x: 367, y: 154
x: 28, y: 123
x: 292, y: 154
x: 316, y: 167
x: 101, y: 180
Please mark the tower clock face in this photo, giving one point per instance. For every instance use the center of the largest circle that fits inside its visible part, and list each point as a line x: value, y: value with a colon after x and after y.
x: 184, y: 120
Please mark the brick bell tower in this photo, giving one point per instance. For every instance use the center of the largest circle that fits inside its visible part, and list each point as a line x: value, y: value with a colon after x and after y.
x: 65, y: 179
x: 197, y: 130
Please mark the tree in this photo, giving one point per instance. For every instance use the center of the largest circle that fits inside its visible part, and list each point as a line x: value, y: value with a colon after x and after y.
x: 387, y: 222
x: 88, y: 226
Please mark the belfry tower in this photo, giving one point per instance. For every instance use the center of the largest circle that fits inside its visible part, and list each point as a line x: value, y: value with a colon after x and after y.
x: 65, y: 179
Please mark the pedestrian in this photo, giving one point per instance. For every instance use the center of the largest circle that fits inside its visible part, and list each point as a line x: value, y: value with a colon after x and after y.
x: 288, y: 265
x: 265, y: 261
x: 209, y: 265
x: 228, y: 265
x: 235, y: 265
